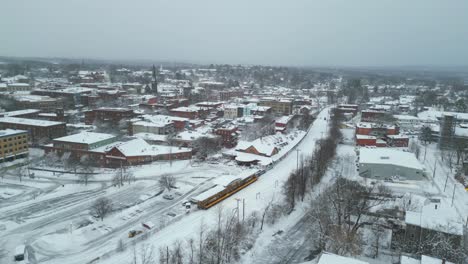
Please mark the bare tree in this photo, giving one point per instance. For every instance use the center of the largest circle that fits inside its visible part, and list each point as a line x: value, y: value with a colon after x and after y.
x: 51, y: 159
x: 167, y: 181
x: 264, y: 214
x: 415, y: 148
x: 339, y: 212
x: 206, y: 146
x: 101, y: 207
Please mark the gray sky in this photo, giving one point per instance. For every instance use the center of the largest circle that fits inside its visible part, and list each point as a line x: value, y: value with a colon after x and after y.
x: 288, y: 32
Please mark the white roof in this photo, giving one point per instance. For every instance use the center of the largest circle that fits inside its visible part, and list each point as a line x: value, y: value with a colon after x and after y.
x: 389, y: 156
x: 225, y: 180
x: 151, y: 136
x: 406, y: 117
x: 431, y: 260
x: 284, y: 119
x: 264, y: 145
x: 20, y: 249
x: 208, y: 193
x: 424, y: 260
x: 30, y: 122
x: 139, y: 147
x: 364, y: 125
x: 443, y: 219
x: 433, y: 115
x: 365, y: 137
x: 9, y: 132
x: 221, y: 183
x: 19, y: 112
x: 86, y: 138
x: 329, y: 258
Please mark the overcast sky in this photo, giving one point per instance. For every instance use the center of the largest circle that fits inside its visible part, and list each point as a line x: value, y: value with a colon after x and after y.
x: 288, y: 32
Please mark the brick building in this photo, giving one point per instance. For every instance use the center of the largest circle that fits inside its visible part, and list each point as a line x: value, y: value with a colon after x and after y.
x: 229, y: 135
x: 108, y: 115
x: 81, y: 144
x: 38, y: 130
x: 282, y: 123
x: 372, y: 115
x: 398, y: 140
x: 191, y: 112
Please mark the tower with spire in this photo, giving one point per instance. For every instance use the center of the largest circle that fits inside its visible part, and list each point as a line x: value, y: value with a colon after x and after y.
x: 154, y: 82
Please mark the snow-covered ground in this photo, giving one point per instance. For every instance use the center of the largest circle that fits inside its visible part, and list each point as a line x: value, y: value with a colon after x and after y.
x: 50, y: 213
x: 256, y: 196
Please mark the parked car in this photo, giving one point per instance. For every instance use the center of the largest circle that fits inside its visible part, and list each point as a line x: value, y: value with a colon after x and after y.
x: 168, y: 197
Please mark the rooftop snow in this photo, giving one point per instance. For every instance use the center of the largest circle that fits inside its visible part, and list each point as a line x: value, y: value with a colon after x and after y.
x: 437, y: 216
x: 29, y: 122
x: 389, y: 156
x: 284, y: 119
x: 139, y: 147
x: 329, y: 258
x: 86, y: 138
x: 19, y: 112
x: 433, y: 115
x: 10, y: 132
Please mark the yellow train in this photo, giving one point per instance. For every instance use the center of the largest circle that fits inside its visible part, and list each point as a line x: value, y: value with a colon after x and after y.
x: 225, y: 186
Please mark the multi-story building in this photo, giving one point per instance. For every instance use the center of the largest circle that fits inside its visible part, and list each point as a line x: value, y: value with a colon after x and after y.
x: 13, y: 144
x: 160, y: 127
x: 191, y: 112
x: 72, y: 95
x: 15, y: 87
x: 282, y: 123
x: 280, y: 106
x: 231, y: 111
x: 39, y: 130
x: 43, y: 103
x: 229, y: 135
x: 108, y: 115
x: 372, y: 115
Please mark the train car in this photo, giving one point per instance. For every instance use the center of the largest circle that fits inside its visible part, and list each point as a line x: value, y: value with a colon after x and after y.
x: 225, y: 186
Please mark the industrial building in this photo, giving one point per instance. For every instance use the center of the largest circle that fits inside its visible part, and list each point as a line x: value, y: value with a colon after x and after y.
x: 384, y: 163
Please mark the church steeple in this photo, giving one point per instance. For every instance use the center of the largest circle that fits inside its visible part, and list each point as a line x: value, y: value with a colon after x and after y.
x: 154, y: 82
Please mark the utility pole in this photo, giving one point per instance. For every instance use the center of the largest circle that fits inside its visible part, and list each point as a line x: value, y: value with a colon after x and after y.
x: 453, y: 195
x: 425, y: 151
x: 243, y: 210
x: 238, y: 218
x: 435, y: 166
x: 297, y: 159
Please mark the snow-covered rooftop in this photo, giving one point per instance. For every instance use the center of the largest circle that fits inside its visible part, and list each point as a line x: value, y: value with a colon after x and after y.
x: 329, y: 258
x: 424, y: 260
x: 389, y: 156
x: 139, y: 147
x: 28, y: 121
x: 86, y: 138
x: 434, y: 115
x: 10, y: 132
x: 19, y: 112
x: 439, y: 216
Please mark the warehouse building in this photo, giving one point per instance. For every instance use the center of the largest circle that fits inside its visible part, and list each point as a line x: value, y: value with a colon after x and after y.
x: 383, y: 163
